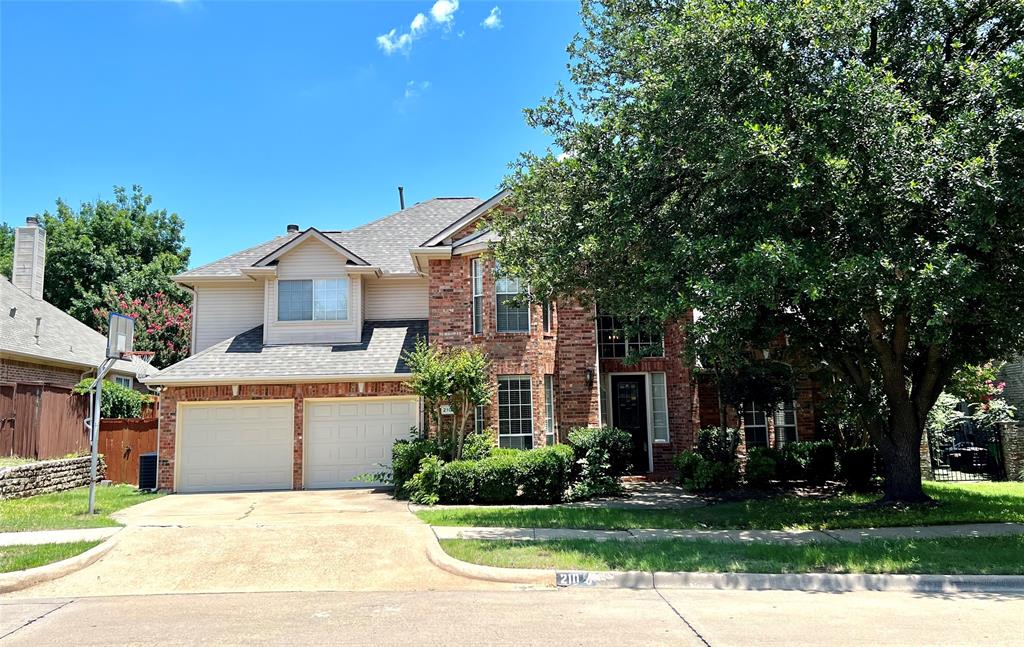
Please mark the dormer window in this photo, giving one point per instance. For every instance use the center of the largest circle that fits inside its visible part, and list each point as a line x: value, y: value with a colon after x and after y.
x: 312, y: 300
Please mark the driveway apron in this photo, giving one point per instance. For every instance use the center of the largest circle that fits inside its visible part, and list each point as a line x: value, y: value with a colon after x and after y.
x: 334, y: 540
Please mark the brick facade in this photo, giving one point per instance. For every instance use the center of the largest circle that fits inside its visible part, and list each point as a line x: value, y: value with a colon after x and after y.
x: 16, y: 371
x: 171, y: 396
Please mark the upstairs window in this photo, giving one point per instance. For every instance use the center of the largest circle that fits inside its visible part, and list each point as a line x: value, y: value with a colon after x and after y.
x: 312, y: 300
x: 477, y: 279
x: 620, y: 338
x: 513, y: 310
x: 547, y: 316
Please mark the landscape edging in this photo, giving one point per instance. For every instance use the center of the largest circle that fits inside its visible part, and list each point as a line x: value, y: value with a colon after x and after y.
x: 17, y: 580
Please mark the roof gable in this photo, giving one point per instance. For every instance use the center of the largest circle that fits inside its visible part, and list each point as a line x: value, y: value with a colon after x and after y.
x: 311, y: 234
x: 467, y: 219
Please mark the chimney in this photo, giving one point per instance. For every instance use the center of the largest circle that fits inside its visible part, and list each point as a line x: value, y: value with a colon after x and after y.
x: 291, y: 229
x: 29, y: 257
x: 401, y: 198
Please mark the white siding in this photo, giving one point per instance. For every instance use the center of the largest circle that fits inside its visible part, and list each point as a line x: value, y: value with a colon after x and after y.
x: 313, y: 260
x: 225, y: 310
x: 390, y: 299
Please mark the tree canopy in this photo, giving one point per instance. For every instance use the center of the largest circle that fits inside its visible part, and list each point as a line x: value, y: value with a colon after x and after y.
x: 847, y: 172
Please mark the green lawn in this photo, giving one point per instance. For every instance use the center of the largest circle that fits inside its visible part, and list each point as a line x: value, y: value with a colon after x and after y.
x: 68, y: 509
x: 12, y: 461
x: 17, y: 558
x: 984, y: 555
x: 955, y: 503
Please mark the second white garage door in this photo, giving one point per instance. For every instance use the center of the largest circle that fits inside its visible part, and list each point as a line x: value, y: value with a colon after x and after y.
x: 350, y: 437
x: 235, y: 446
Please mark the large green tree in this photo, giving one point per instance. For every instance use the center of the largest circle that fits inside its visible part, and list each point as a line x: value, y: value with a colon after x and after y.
x: 847, y: 172
x: 110, y: 253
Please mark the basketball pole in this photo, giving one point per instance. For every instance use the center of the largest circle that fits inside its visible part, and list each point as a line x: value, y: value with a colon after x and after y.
x: 94, y: 431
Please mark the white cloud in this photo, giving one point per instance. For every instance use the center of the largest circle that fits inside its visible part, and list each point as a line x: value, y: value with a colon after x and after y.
x: 493, y: 20
x: 414, y: 89
x: 419, y: 23
x: 443, y: 11
x: 392, y: 42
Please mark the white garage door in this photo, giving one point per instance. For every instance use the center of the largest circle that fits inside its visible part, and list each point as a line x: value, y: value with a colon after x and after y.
x: 235, y: 446
x: 350, y: 437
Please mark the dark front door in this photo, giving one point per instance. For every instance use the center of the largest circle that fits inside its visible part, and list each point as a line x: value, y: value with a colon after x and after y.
x: 629, y: 413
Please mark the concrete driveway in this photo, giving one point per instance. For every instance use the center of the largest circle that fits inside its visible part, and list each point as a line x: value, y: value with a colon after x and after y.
x: 337, y: 540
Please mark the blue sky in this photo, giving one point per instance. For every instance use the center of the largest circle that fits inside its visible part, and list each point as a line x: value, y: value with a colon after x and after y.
x: 245, y: 116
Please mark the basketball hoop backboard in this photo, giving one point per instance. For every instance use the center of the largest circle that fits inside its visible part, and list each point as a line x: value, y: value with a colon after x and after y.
x: 121, y: 338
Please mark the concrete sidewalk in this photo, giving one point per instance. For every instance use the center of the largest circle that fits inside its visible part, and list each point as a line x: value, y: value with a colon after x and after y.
x: 36, y: 537
x: 795, y: 537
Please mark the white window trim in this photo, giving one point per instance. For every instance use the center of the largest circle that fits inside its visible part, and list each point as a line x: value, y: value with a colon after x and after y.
x: 476, y: 265
x: 314, y: 320
x: 668, y: 422
x: 125, y: 380
x: 627, y: 343
x: 550, y: 420
x: 529, y: 381
x: 480, y: 418
x: 529, y: 323
x: 547, y: 316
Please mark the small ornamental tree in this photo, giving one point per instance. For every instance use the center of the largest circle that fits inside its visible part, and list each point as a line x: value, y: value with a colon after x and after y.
x: 456, y: 378
x: 847, y: 172
x: 162, y: 325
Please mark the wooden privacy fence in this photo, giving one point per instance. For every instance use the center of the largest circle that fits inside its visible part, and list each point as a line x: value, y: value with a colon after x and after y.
x: 42, y: 420
x: 122, y: 440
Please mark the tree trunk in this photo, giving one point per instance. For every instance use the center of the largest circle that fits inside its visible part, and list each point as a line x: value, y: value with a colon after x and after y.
x: 901, y: 453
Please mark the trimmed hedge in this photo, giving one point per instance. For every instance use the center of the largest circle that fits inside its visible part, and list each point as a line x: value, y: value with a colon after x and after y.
x: 858, y: 467
x: 603, y: 445
x: 406, y: 456
x: 506, y: 476
x: 761, y: 467
x: 700, y: 474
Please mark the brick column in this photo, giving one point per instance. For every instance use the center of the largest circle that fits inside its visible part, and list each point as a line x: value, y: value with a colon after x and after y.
x: 1012, y: 435
x: 926, y: 458
x: 299, y: 401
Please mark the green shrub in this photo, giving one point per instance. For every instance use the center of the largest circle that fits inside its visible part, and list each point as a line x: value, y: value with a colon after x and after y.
x: 118, y: 401
x: 858, y: 468
x: 719, y: 445
x: 713, y: 476
x: 478, y: 446
x: 686, y: 462
x: 821, y: 461
x: 459, y: 482
x: 761, y: 467
x: 606, y: 446
x: 424, y: 485
x: 406, y: 456
x: 545, y: 474
x: 498, y: 478
x: 795, y: 457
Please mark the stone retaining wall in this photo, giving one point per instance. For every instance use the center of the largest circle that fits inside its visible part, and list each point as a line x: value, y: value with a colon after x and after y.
x: 46, y: 476
x: 1013, y: 450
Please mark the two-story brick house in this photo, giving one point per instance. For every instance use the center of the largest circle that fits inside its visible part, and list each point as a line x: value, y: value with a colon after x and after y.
x: 297, y: 379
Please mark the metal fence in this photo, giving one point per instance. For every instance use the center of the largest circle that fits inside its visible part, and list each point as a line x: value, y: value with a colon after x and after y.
x: 967, y: 452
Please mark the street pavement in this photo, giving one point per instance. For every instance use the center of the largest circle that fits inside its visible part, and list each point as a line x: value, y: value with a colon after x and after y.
x: 546, y: 617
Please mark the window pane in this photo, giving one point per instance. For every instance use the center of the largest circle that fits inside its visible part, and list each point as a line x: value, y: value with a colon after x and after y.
x: 659, y: 406
x: 515, y: 412
x: 477, y: 280
x: 480, y: 419
x: 330, y: 299
x: 549, y: 409
x: 616, y: 339
x: 294, y: 300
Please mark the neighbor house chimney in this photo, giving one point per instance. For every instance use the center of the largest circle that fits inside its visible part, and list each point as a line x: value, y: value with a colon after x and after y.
x: 401, y: 197
x: 291, y: 229
x: 29, y: 257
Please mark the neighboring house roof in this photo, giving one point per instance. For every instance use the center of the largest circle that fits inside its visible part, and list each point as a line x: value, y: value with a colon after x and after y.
x: 383, y: 243
x: 62, y: 338
x: 243, y: 359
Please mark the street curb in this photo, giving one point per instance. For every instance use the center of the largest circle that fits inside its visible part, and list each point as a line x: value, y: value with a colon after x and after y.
x: 439, y: 558
x: 17, y: 580
x: 808, y: 582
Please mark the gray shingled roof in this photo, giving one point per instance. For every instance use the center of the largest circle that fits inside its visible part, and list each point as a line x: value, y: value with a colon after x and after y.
x: 62, y: 338
x: 384, y: 243
x: 243, y: 358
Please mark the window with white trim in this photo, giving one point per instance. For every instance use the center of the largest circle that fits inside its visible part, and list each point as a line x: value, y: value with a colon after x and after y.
x: 480, y: 418
x: 312, y: 300
x: 659, y: 408
x: 513, y: 309
x: 126, y: 382
x: 546, y: 315
x: 755, y: 423
x: 619, y: 338
x: 515, y: 412
x: 549, y: 409
x: 477, y: 278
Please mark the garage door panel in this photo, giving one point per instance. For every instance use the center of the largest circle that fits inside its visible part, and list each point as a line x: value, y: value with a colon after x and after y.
x: 348, y: 439
x: 238, y: 446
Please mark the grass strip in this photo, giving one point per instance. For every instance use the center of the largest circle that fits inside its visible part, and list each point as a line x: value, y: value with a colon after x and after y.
x: 18, y: 558
x: 68, y: 509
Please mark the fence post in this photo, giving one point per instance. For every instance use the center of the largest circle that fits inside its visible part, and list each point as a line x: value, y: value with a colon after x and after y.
x: 1012, y: 436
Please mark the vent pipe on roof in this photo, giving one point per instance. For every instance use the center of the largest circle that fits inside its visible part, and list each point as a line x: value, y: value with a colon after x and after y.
x: 291, y: 229
x: 401, y: 197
